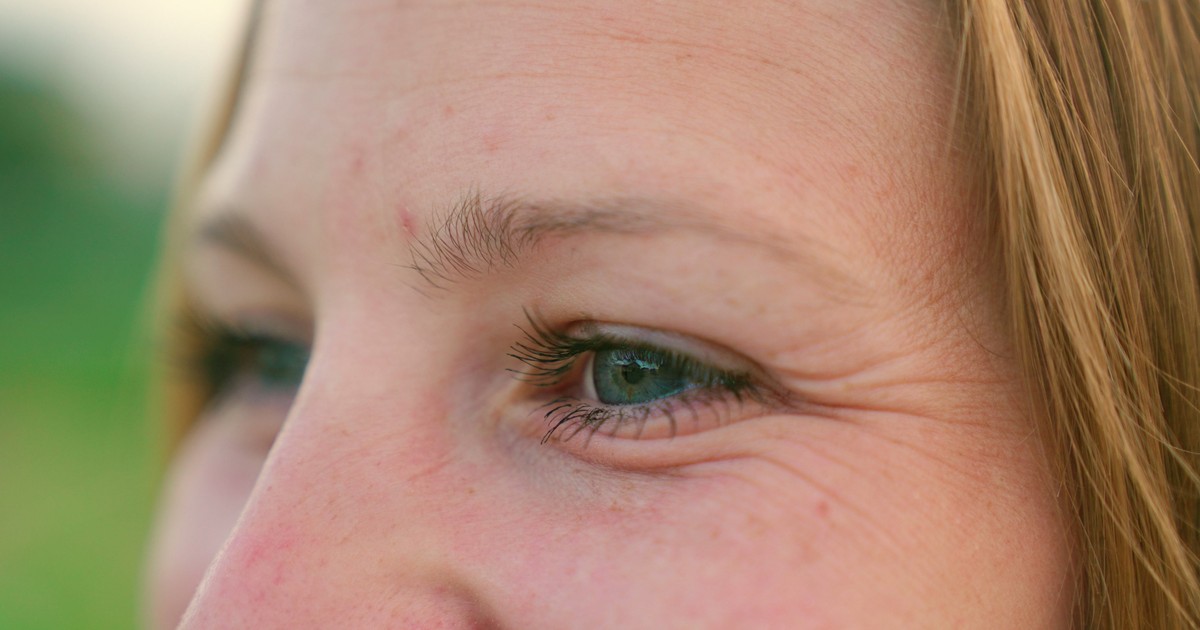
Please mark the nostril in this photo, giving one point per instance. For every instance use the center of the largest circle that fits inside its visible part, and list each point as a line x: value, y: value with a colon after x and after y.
x: 447, y: 607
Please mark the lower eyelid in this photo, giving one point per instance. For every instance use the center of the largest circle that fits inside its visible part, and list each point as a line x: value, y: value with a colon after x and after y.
x: 695, y: 411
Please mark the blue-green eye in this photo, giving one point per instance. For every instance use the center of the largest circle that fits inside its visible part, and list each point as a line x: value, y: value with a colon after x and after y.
x: 630, y: 376
x: 269, y: 363
x: 635, y: 380
x: 278, y: 364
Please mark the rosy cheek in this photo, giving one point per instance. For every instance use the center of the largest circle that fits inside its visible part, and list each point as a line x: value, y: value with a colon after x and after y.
x: 618, y: 550
x: 263, y: 556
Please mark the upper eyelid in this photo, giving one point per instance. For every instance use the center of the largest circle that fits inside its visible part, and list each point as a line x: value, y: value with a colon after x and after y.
x: 551, y: 354
x: 699, y: 350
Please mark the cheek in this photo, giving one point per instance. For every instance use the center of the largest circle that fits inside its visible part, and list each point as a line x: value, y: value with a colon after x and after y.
x: 690, y: 550
x: 862, y: 533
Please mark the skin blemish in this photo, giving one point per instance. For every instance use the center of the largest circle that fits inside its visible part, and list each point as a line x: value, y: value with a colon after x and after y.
x: 407, y: 221
x: 493, y: 140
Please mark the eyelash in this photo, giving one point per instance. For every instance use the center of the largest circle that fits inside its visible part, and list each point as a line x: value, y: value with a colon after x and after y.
x: 549, y: 356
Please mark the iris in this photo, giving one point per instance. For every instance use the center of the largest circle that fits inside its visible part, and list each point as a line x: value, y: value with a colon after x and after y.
x: 279, y: 364
x: 629, y: 376
x: 268, y: 362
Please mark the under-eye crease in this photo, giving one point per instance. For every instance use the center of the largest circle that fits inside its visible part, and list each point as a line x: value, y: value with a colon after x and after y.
x: 626, y: 383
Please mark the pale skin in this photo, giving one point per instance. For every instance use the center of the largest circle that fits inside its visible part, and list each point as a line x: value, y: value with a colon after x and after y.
x: 775, y: 187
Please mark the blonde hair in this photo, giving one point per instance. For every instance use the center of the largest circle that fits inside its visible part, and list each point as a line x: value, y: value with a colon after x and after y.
x: 178, y: 392
x: 1089, y: 115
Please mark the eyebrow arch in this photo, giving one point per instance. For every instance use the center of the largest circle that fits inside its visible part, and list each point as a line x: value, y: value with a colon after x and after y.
x: 478, y: 235
x: 233, y: 232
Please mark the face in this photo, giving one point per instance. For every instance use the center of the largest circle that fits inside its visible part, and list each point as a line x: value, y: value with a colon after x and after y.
x: 623, y: 314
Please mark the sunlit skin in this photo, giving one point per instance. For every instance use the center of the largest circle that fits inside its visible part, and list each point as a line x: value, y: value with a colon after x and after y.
x: 781, y: 187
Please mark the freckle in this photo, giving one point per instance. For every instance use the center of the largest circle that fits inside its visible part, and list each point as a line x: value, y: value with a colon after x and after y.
x: 551, y: 116
x: 470, y: 489
x: 491, y: 143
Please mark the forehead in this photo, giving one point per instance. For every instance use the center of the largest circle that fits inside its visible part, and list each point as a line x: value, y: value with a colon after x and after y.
x: 831, y: 111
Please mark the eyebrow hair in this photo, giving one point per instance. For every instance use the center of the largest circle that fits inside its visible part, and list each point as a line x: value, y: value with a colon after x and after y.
x: 233, y: 232
x: 478, y: 234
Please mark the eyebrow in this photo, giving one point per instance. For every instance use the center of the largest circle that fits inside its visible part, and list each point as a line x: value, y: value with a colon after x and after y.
x: 232, y: 231
x: 477, y: 235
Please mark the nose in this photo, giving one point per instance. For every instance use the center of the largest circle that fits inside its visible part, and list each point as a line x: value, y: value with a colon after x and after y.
x: 351, y: 524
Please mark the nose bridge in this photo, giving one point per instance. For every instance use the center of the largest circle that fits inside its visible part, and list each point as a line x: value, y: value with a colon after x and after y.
x: 347, y: 519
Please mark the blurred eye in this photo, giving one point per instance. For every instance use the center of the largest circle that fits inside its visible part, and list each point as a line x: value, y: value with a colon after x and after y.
x: 269, y: 363
x: 247, y: 358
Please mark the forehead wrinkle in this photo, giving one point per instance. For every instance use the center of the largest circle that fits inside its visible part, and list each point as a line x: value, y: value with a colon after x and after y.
x: 685, y: 37
x: 479, y: 235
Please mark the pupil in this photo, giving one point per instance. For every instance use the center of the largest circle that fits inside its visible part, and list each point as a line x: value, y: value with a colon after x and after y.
x: 281, y: 364
x: 633, y: 374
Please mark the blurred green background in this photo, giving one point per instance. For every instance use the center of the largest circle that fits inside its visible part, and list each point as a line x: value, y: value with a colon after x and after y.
x: 96, y: 99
